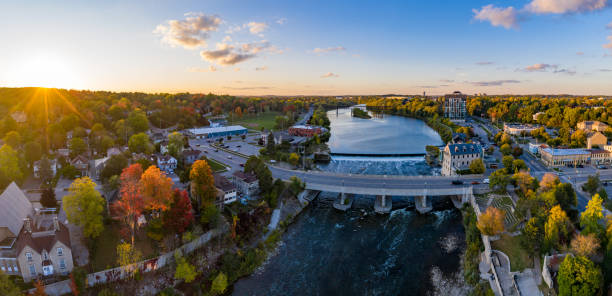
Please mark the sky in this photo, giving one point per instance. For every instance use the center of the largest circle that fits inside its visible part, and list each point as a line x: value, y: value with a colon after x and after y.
x: 313, y: 47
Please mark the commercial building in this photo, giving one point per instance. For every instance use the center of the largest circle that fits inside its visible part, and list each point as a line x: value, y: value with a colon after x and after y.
x: 33, y: 244
x: 564, y: 157
x: 536, y: 148
x: 458, y: 157
x: 518, y: 129
x: 592, y: 126
x: 454, y: 106
x: 305, y: 130
x: 596, y: 139
x: 599, y: 156
x: 216, y: 132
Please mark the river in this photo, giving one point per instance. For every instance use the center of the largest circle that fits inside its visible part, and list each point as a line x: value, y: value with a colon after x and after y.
x: 327, y: 252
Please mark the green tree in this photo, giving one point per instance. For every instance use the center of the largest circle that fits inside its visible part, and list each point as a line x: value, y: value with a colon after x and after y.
x: 84, y: 206
x: 532, y: 236
x: 139, y: 143
x: 12, y: 139
x: 184, y: 270
x: 557, y: 228
x: 294, y: 159
x: 32, y: 152
x: 499, y: 180
x: 477, y: 166
x: 579, y: 276
x: 176, y: 142
x: 519, y: 165
x: 77, y: 147
x: 296, y: 185
x: 219, y: 284
x: 592, y: 184
x: 138, y: 121
x: 508, y: 161
x: 114, y: 165
x: 47, y: 198
x: 7, y: 287
x: 9, y: 166
x: 591, y: 216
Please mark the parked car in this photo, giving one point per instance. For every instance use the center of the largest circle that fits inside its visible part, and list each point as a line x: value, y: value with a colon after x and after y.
x: 216, y: 150
x: 602, y: 167
x: 205, y: 151
x: 485, y: 181
x: 229, y: 156
x: 242, y: 164
x: 475, y: 182
x: 457, y: 182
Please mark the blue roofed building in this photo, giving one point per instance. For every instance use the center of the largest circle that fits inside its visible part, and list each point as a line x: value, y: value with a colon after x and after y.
x: 553, y: 157
x: 458, y: 157
x: 216, y: 132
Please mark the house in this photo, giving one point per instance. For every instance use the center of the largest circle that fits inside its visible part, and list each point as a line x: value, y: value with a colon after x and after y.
x: 19, y: 116
x: 163, y: 147
x: 113, y: 151
x: 97, y: 165
x: 52, y: 165
x: 81, y: 163
x: 166, y: 163
x: 458, y: 157
x: 63, y: 152
x: 592, y: 126
x: 191, y: 155
x: 596, y: 138
x: 246, y: 183
x: 32, y: 245
x: 158, y: 137
x: 227, y: 188
x: 535, y: 116
x: 459, y: 138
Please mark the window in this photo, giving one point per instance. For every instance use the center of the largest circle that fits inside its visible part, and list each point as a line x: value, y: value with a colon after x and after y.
x: 32, y: 269
x: 2, y: 267
x: 62, y: 264
x: 60, y: 252
x: 29, y: 256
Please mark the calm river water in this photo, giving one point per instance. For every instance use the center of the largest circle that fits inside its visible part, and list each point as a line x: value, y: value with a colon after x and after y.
x: 327, y: 252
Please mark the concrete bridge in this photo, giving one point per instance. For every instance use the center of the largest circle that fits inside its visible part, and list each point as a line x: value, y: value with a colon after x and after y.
x: 383, y: 187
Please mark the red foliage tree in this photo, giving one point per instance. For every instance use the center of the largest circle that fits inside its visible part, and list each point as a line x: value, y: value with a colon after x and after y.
x: 180, y: 216
x: 131, y: 204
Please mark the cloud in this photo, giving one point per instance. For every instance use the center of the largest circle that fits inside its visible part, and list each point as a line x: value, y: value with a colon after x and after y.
x: 256, y: 47
x: 580, y: 53
x: 190, y: 33
x: 493, y: 82
x: 564, y: 6
x: 484, y: 63
x: 228, y: 55
x: 497, y: 16
x: 328, y: 49
x: 247, y: 87
x: 329, y: 74
x: 447, y: 80
x: 264, y: 68
x: 427, y: 86
x: 609, y: 44
x: 211, y: 68
x: 565, y: 71
x: 604, y: 70
x: 257, y: 28
x: 281, y: 21
x: 539, y: 67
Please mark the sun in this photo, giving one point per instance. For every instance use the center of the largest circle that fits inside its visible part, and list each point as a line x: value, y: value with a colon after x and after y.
x: 48, y: 70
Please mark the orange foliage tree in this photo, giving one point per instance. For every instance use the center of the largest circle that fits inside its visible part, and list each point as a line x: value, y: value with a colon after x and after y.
x: 491, y: 222
x: 131, y: 204
x: 203, y: 183
x: 156, y: 189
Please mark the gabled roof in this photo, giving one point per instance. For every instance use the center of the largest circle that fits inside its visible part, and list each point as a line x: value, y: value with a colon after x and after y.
x: 43, y: 242
x: 246, y: 177
x: 223, y: 184
x: 80, y: 158
x: 461, y: 149
x: 14, y: 207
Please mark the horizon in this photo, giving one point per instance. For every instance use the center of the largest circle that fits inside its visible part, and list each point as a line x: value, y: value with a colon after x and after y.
x: 272, y: 48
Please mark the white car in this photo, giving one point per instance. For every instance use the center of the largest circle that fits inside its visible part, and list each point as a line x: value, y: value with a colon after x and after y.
x: 229, y: 156
x: 485, y: 181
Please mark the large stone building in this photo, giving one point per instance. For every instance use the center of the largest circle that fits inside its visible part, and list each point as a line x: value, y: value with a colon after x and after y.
x: 592, y: 126
x: 455, y: 106
x: 32, y: 244
x: 564, y: 157
x: 596, y: 139
x: 518, y: 129
x: 458, y: 157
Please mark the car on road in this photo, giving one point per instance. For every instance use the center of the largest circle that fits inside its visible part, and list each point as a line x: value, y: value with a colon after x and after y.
x: 229, y: 156
x: 205, y: 151
x: 216, y: 150
x: 238, y: 146
x: 457, y: 182
x: 475, y: 182
x: 602, y: 167
x: 485, y: 181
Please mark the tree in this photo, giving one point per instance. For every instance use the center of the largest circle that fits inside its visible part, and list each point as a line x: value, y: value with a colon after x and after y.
x: 219, y: 284
x: 519, y: 165
x: 517, y: 151
x: 524, y: 181
x: 114, y: 166
x: 39, y: 287
x: 592, y: 184
x: 532, y: 235
x: 508, y: 161
x: 47, y: 198
x: 84, y: 206
x: 294, y: 159
x: 7, y: 287
x: 138, y: 121
x: 12, y: 139
x: 126, y: 256
x: 156, y: 189
x: 505, y: 149
x: 44, y: 170
x: 557, y: 227
x: 184, y: 270
x: 585, y: 245
x: 549, y: 181
x: 591, y: 216
x: 131, y: 204
x: 579, y: 276
x: 179, y: 217
x: 77, y: 147
x: 499, y: 179
x: 491, y: 222
x: 296, y: 185
x: 32, y: 152
x: 9, y: 166
x: 139, y: 143
x: 176, y: 143
x: 203, y: 183
x: 477, y: 166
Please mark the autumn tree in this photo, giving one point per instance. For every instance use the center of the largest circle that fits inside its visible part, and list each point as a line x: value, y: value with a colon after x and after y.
x: 585, y: 245
x: 294, y: 159
x: 131, y: 204
x: 219, y: 284
x: 184, y: 270
x: 549, y: 181
x: 179, y: 217
x: 557, y: 227
x: 532, y: 235
x: 507, y: 161
x: 579, y: 276
x: 156, y: 189
x: 12, y: 139
x: 84, y: 206
x: 591, y: 216
x: 524, y: 181
x: 7, y: 287
x: 491, y: 222
x: 203, y: 183
x: 126, y: 256
x: 499, y: 180
x: 477, y: 166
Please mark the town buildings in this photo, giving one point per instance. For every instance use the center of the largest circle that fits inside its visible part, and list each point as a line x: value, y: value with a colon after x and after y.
x: 33, y: 244
x: 190, y: 156
x: 596, y: 138
x: 518, y: 129
x: 216, y: 132
x: 592, y: 126
x: 167, y: 163
x: 458, y: 157
x: 454, y: 106
x: 305, y: 130
x: 246, y: 183
x: 564, y: 157
x: 226, y: 191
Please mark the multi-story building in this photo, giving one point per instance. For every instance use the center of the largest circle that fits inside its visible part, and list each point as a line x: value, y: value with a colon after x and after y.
x: 227, y: 192
x: 32, y: 244
x: 592, y: 126
x: 167, y: 163
x: 564, y: 157
x: 454, y: 106
x: 596, y: 138
x: 305, y: 130
x: 458, y: 157
x: 599, y: 156
x: 216, y: 132
x: 518, y: 129
x: 246, y: 183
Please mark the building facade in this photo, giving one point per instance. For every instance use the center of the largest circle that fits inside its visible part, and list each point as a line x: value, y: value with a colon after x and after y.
x: 167, y: 163
x: 593, y: 125
x: 518, y: 129
x: 596, y: 139
x: 216, y: 132
x: 246, y: 183
x: 305, y: 130
x: 564, y: 157
x: 599, y: 156
x: 455, y: 106
x: 228, y: 190
x: 458, y: 157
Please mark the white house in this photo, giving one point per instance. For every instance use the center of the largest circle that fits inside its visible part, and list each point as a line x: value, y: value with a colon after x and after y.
x: 167, y: 163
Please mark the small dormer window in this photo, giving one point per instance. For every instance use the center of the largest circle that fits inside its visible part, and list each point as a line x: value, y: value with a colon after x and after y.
x: 60, y: 251
x: 29, y: 256
x: 45, y: 255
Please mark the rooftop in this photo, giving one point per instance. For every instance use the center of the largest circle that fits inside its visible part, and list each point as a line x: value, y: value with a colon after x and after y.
x: 460, y: 149
x: 220, y: 129
x: 246, y: 177
x: 564, y: 152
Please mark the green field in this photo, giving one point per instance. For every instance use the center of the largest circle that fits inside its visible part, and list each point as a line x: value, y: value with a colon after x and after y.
x: 216, y: 166
x: 510, y: 245
x: 256, y: 122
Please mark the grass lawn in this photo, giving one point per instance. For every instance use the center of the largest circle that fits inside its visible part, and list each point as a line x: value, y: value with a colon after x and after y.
x: 519, y: 259
x: 216, y: 166
x: 256, y: 122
